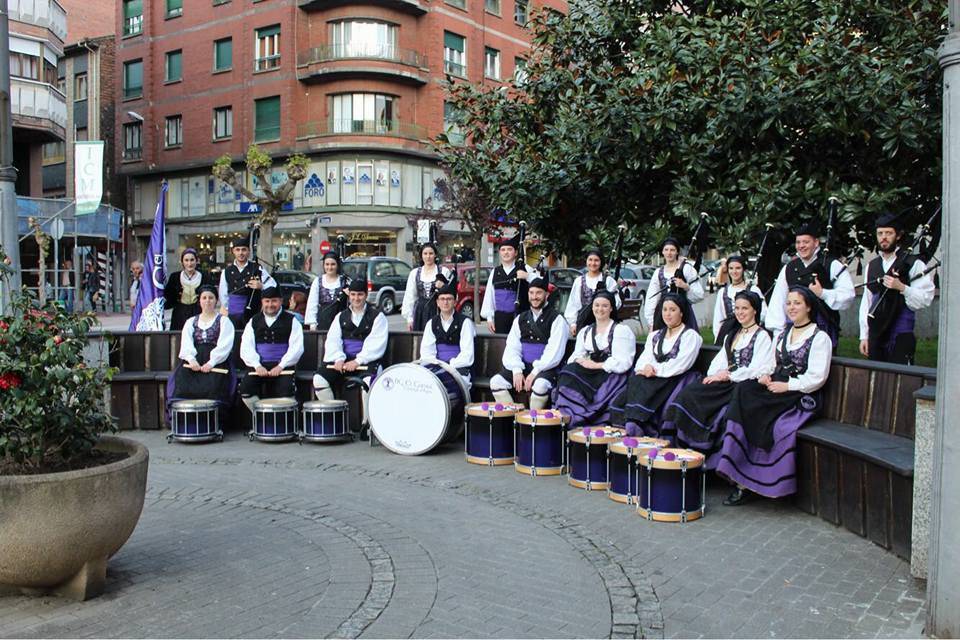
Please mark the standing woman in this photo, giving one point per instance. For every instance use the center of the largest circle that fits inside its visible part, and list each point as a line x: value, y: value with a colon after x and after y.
x: 677, y: 276
x: 419, y: 306
x: 578, y: 311
x: 758, y: 449
x: 747, y: 354
x: 181, y: 290
x: 598, y: 370
x: 662, y: 370
x: 328, y: 295
x: 723, y: 320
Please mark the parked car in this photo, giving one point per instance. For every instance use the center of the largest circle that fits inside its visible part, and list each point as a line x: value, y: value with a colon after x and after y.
x: 636, y: 278
x: 561, y: 283
x: 466, y: 281
x: 386, y: 280
x: 290, y: 281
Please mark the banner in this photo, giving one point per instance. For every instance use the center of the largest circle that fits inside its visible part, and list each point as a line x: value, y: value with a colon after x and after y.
x: 88, y: 175
x: 148, y: 313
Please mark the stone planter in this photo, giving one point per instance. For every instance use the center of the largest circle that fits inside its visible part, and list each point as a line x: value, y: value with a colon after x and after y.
x: 58, y: 530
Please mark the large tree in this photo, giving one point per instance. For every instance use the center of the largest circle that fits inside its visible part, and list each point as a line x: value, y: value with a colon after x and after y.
x: 650, y: 112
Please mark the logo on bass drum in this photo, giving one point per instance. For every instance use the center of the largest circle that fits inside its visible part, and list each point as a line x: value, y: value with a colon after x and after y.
x: 389, y: 384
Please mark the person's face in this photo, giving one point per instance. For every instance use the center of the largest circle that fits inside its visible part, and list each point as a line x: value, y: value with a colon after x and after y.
x: 271, y: 306
x: 735, y: 269
x: 744, y: 312
x: 428, y: 255
x: 136, y: 270
x: 671, y: 314
x: 593, y: 264
x: 507, y: 254
x: 670, y: 253
x: 330, y: 267
x: 447, y: 303
x: 797, y: 309
x: 189, y: 262
x: 537, y: 297
x: 887, y: 238
x: 241, y: 254
x: 602, y: 309
x: 208, y: 302
x: 805, y: 246
x: 358, y: 299
x: 68, y: 264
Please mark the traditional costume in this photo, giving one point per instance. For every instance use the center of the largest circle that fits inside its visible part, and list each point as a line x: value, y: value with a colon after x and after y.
x: 326, y: 298
x: 420, y: 298
x: 450, y: 339
x: 181, y: 293
x: 723, y: 319
x: 662, y: 280
x: 241, y: 301
x: 579, y: 311
x: 506, y: 295
x: 268, y: 342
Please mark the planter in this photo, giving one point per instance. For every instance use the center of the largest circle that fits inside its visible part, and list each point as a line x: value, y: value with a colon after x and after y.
x: 58, y: 530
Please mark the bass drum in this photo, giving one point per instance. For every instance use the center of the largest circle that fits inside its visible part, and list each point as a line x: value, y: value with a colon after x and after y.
x: 416, y: 406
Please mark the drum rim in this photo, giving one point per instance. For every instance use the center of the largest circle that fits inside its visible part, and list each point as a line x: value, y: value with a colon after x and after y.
x: 697, y: 460
x: 474, y: 409
x: 312, y: 405
x: 558, y: 419
x: 621, y: 449
x: 205, y: 404
x: 576, y: 435
x: 275, y: 403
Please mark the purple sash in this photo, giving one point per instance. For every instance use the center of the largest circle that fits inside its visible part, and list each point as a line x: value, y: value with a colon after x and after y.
x: 271, y: 351
x: 504, y: 299
x: 903, y: 324
x: 236, y: 304
x: 531, y: 351
x: 352, y: 347
x: 447, y: 352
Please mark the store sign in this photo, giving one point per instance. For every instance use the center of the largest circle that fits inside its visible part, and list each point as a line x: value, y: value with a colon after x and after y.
x: 88, y: 175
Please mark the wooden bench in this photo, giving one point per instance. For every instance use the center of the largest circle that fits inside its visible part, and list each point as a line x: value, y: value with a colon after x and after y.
x: 630, y: 309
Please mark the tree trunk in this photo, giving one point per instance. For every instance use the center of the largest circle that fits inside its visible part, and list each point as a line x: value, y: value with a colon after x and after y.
x: 265, y: 247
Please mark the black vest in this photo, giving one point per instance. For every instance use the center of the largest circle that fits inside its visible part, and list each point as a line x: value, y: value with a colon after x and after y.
x: 799, y: 274
x: 278, y: 333
x: 451, y: 335
x: 537, y: 331
x: 237, y: 279
x: 350, y: 331
x: 596, y: 353
x: 885, y: 314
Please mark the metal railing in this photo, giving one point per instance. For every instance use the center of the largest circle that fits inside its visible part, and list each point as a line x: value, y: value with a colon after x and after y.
x: 346, y: 127
x: 32, y: 99
x: 374, y: 51
x: 454, y: 68
x: 43, y: 13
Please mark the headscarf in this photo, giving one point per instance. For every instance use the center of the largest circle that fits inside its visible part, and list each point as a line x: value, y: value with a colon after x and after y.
x: 686, y: 310
x: 809, y: 297
x: 188, y: 250
x: 208, y: 288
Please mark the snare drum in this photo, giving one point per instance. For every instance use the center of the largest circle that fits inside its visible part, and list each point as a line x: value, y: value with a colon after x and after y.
x: 274, y: 420
x: 672, y: 485
x: 489, y: 433
x: 622, y: 466
x: 538, y: 438
x: 415, y: 407
x: 325, y: 421
x: 195, y: 421
x: 587, y: 456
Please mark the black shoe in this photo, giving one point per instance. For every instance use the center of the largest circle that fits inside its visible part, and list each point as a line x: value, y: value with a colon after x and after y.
x: 737, y: 497
x: 364, y: 433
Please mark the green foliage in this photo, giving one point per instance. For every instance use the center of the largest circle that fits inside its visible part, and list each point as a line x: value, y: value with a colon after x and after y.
x: 648, y: 112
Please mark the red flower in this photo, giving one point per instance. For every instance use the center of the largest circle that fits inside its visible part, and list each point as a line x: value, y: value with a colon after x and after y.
x: 10, y: 380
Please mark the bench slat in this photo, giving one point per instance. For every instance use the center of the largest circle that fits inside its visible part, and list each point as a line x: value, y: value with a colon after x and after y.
x: 883, y: 449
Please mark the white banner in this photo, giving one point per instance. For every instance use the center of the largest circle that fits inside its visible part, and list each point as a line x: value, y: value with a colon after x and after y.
x: 88, y: 175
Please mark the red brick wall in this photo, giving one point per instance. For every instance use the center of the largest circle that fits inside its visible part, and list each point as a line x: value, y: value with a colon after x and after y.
x: 88, y: 19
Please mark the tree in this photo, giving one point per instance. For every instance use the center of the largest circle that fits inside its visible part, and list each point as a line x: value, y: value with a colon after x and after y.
x: 272, y: 199
x: 648, y: 112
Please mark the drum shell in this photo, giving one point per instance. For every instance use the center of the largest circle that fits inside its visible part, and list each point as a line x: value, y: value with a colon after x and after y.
x: 621, y: 475
x: 539, y: 447
x: 669, y: 490
x: 275, y: 420
x: 489, y: 437
x: 326, y: 420
x: 194, y: 419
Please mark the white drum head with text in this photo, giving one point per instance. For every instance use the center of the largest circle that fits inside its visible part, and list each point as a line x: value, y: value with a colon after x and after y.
x: 409, y: 409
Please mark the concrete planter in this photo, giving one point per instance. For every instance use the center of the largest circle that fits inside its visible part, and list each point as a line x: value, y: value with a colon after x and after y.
x: 58, y: 530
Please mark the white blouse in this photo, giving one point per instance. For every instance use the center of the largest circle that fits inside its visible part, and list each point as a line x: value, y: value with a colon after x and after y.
x: 622, y: 354
x: 695, y: 294
x: 690, y: 343
x: 720, y: 310
x: 220, y: 353
x: 818, y: 364
x: 313, y: 299
x: 761, y: 364
x: 468, y: 331
x: 410, y: 294
x: 573, y: 302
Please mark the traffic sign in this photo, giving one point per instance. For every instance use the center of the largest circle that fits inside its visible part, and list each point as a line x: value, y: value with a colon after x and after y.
x: 325, y: 246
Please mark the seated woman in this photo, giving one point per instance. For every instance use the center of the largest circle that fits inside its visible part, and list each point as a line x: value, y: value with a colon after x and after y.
x: 598, y: 370
x: 662, y: 370
x: 206, y: 342
x: 696, y: 415
x: 758, y: 449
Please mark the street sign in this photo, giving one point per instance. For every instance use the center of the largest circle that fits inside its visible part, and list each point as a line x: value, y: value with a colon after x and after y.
x: 325, y: 246
x: 57, y: 229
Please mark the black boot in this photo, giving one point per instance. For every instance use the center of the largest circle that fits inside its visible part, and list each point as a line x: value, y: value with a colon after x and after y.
x: 737, y: 497
x: 364, y: 432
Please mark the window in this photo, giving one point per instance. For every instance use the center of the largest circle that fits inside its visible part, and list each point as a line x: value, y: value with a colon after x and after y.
x: 363, y: 39
x: 23, y: 65
x: 223, y: 54
x: 268, y: 48
x: 222, y: 123
x: 132, y: 17
x: 174, y: 66
x: 450, y: 125
x: 173, y: 136
x: 267, y: 123
x: 132, y: 133
x: 49, y: 72
x: 174, y: 8
x: 133, y: 79
x: 492, y: 6
x: 54, y: 153
x: 80, y: 86
x: 362, y: 113
x: 82, y: 135
x: 519, y: 71
x: 521, y: 12
x: 454, y: 58
x: 491, y: 63
x: 460, y: 4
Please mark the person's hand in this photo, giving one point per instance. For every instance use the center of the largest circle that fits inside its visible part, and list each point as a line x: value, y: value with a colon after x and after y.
x: 491, y: 326
x: 193, y: 366
x: 865, y: 348
x: 255, y: 283
x: 573, y: 330
x: 765, y: 380
x: 721, y: 376
x: 816, y: 287
x: 409, y: 326
x: 583, y: 362
x: 892, y: 282
x: 648, y: 371
x: 338, y: 366
x: 351, y: 366
x: 778, y: 387
x: 680, y: 284
x: 262, y: 371
x: 518, y: 381
x: 521, y: 275
x: 528, y: 382
x: 313, y: 327
x: 207, y: 368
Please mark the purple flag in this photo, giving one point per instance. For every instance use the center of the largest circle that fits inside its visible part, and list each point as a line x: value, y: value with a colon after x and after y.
x: 148, y: 313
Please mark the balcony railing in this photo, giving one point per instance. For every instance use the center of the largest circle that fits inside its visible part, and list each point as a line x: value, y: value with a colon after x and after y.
x: 370, y: 51
x: 408, y: 6
x: 454, y: 68
x: 133, y: 153
x: 347, y: 127
x: 32, y: 99
x: 43, y: 13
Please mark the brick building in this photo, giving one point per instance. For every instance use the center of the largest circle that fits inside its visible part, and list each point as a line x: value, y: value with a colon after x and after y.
x: 355, y: 85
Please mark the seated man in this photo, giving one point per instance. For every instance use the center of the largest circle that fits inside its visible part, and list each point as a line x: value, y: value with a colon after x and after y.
x: 534, y: 351
x: 272, y: 342
x: 448, y: 337
x: 356, y: 342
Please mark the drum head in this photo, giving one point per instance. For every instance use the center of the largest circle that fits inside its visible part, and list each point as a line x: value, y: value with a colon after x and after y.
x: 193, y: 405
x: 325, y: 405
x: 638, y: 445
x: 409, y: 409
x: 671, y: 458
x: 276, y: 404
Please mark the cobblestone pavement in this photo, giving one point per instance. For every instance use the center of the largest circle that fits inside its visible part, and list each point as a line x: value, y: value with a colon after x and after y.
x: 256, y: 540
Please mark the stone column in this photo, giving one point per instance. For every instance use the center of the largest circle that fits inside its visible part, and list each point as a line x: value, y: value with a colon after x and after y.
x: 8, y: 175
x: 943, y: 585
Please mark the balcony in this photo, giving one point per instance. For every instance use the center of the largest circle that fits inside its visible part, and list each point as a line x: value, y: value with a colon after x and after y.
x: 382, y: 128
x: 40, y: 107
x: 340, y: 61
x: 42, y: 13
x: 412, y: 7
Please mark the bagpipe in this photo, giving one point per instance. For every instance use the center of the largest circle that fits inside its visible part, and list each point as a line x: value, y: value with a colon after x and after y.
x: 521, y: 262
x: 698, y: 246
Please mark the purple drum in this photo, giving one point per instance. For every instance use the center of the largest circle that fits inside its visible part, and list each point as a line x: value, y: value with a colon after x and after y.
x: 587, y: 456
x: 489, y: 433
x: 622, y: 466
x: 672, y: 485
x: 195, y: 421
x: 274, y: 420
x: 539, y: 437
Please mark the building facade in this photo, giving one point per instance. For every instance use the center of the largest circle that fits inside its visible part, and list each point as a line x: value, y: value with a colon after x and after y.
x: 356, y: 85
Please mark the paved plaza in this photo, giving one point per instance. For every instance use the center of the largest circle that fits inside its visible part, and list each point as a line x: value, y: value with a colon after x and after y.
x: 244, y: 539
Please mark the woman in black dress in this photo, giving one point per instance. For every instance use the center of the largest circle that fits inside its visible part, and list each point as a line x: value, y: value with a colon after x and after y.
x: 327, y: 294
x: 180, y: 292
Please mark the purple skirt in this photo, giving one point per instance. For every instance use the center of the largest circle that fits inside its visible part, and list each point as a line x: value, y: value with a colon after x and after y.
x: 697, y: 415
x: 640, y: 408
x: 586, y: 394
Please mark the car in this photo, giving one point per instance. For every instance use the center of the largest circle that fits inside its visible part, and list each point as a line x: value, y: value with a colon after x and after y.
x: 466, y: 279
x: 386, y: 280
x: 636, y: 278
x: 289, y: 281
x: 561, y: 283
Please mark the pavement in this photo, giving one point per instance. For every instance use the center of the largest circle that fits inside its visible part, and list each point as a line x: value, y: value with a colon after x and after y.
x: 241, y: 539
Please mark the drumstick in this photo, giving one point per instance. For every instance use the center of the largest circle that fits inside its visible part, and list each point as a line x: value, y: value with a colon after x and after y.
x: 220, y: 371
x: 359, y: 367
x: 287, y: 372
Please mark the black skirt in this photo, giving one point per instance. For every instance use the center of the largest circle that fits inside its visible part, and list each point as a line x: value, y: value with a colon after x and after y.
x: 757, y: 409
x: 423, y: 312
x: 194, y: 385
x: 695, y: 409
x: 182, y: 313
x: 327, y: 312
x: 642, y: 398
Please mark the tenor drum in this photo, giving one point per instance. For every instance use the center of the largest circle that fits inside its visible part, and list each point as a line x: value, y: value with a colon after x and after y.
x: 415, y: 407
x: 274, y: 420
x: 587, y: 456
x: 325, y: 421
x: 489, y: 433
x: 195, y: 421
x: 672, y: 485
x: 539, y: 437
x: 622, y: 466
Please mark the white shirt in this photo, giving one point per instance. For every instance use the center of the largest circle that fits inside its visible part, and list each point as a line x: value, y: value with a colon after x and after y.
x: 694, y: 294
x: 487, y: 308
x: 919, y: 293
x: 573, y: 302
x: 621, y: 355
x: 838, y: 298
x: 374, y: 346
x: 248, y: 344
x: 762, y: 363
x: 220, y: 353
x: 690, y: 343
x: 265, y: 278
x: 720, y: 310
x: 313, y: 299
x: 468, y: 331
x: 552, y: 352
x: 410, y: 295
x: 818, y: 364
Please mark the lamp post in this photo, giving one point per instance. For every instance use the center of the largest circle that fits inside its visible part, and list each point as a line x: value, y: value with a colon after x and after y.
x: 8, y: 174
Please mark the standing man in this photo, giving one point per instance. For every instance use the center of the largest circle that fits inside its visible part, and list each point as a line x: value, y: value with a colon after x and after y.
x: 500, y: 298
x: 240, y: 285
x: 91, y: 284
x: 272, y: 341
x: 828, y: 279
x: 67, y: 290
x: 887, y: 319
x: 136, y: 272
x: 448, y: 337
